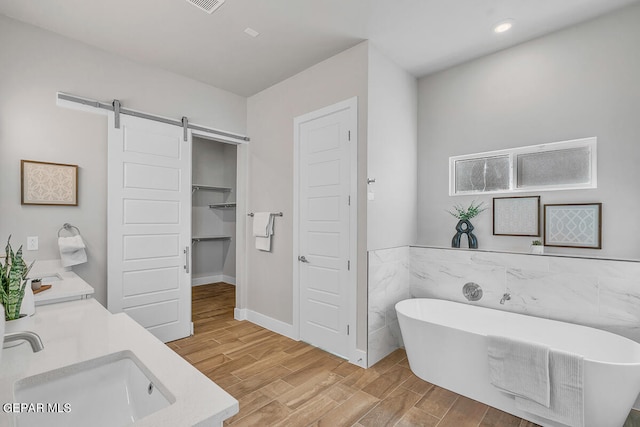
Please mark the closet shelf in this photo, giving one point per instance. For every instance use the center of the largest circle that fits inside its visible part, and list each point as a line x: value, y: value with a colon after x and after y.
x: 208, y: 238
x: 223, y: 206
x: 197, y: 187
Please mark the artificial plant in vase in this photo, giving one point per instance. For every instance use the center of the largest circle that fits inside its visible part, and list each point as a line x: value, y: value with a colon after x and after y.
x: 13, y: 274
x: 536, y: 247
x: 464, y: 226
x: 471, y: 212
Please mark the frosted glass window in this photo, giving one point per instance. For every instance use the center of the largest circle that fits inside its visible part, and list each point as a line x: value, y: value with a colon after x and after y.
x: 553, y: 166
x: 557, y: 167
x: 483, y: 174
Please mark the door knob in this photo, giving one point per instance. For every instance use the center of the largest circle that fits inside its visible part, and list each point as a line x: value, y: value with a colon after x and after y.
x: 302, y: 258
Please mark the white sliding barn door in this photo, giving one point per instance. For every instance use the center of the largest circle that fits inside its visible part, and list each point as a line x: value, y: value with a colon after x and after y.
x: 149, y: 225
x: 326, y: 280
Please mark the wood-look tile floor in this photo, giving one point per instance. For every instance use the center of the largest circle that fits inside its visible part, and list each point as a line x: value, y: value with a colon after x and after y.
x: 281, y: 382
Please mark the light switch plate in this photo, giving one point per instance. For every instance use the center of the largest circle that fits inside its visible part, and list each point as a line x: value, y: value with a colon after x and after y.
x: 32, y: 243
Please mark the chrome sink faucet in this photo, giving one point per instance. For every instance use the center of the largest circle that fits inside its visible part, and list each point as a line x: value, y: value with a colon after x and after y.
x: 31, y: 337
x: 505, y: 297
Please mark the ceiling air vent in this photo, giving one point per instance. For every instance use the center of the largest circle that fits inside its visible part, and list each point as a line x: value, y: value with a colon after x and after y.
x: 208, y: 6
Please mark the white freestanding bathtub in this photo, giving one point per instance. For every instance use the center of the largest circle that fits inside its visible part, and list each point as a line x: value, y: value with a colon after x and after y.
x: 446, y: 344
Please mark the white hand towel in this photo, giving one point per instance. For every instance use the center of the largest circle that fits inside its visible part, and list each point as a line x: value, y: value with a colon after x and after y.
x: 72, y: 250
x: 261, y: 222
x: 70, y: 244
x: 263, y: 230
x: 567, y: 391
x: 520, y: 368
x: 263, y: 244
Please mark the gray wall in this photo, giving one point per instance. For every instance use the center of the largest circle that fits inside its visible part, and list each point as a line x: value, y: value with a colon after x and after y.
x: 391, y: 150
x: 270, y: 114
x: 35, y: 65
x: 579, y: 82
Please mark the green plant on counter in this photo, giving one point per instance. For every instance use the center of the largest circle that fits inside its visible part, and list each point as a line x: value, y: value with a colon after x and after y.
x: 536, y: 243
x: 13, y: 275
x: 471, y: 212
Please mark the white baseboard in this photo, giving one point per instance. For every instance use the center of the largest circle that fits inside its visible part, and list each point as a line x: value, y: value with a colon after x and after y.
x: 205, y: 280
x: 359, y: 358
x: 240, y: 313
x: 267, y: 322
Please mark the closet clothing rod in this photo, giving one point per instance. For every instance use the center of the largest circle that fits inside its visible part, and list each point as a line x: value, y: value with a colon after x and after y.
x: 271, y: 213
x: 116, y: 107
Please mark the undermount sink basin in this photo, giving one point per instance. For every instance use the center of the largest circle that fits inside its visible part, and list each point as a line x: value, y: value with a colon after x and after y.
x: 114, y: 390
x: 49, y: 278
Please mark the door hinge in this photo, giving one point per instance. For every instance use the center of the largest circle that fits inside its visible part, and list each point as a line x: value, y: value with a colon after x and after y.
x: 349, y: 201
x: 349, y: 136
x: 348, y: 265
x: 347, y: 329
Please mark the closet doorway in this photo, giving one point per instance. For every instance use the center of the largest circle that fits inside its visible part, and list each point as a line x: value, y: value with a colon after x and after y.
x: 171, y: 221
x: 213, y: 213
x: 149, y: 210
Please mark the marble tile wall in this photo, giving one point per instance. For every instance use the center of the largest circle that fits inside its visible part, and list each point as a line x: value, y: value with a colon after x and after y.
x: 604, y: 294
x: 600, y: 293
x: 388, y: 284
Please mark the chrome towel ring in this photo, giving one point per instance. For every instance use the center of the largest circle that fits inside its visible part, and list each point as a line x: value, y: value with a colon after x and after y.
x: 70, y: 228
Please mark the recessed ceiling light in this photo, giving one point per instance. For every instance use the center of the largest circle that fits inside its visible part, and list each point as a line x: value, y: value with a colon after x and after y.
x: 251, y: 32
x: 503, y: 26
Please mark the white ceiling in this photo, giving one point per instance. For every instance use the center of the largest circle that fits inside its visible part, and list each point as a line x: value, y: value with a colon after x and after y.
x: 421, y: 36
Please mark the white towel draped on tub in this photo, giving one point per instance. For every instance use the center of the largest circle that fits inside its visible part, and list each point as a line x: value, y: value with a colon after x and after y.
x: 263, y: 230
x: 567, y: 391
x: 72, y: 250
x: 520, y: 368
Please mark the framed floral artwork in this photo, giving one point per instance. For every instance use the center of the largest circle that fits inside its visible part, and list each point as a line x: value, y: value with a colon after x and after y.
x: 53, y: 184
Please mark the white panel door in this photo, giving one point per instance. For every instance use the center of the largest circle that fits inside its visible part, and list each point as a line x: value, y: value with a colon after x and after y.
x: 324, y: 234
x: 149, y: 225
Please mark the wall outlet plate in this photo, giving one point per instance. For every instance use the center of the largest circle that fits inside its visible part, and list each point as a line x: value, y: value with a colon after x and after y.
x: 32, y: 243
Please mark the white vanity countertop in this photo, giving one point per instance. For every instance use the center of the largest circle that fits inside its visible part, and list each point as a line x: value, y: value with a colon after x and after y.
x: 76, y: 331
x: 71, y: 285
